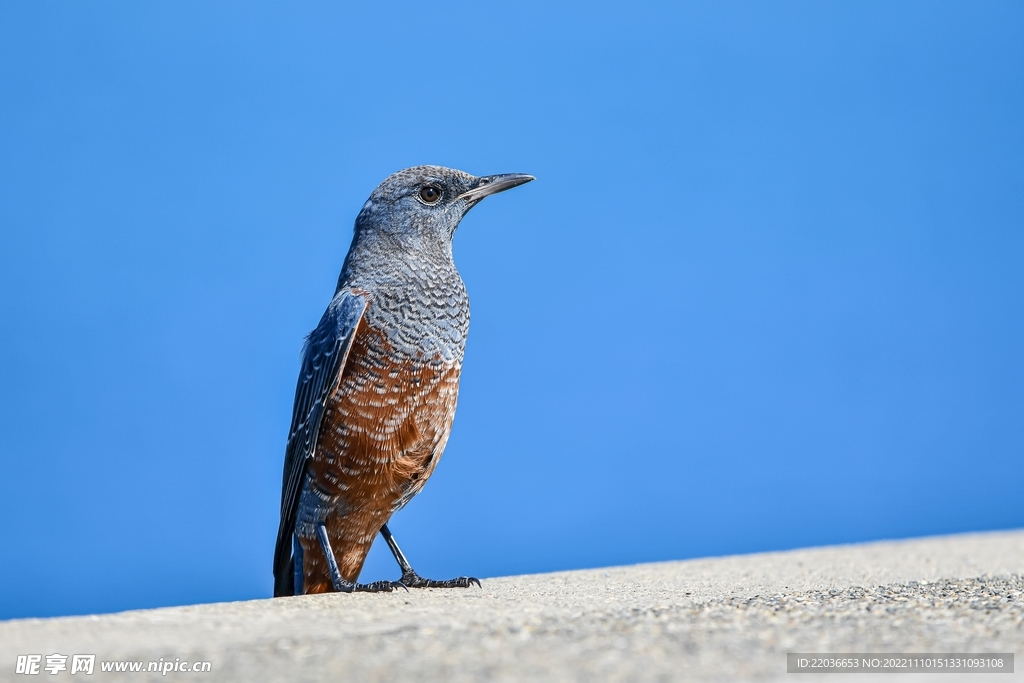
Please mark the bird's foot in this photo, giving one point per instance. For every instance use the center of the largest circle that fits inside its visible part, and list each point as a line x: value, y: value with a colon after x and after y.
x: 375, y: 587
x: 414, y: 580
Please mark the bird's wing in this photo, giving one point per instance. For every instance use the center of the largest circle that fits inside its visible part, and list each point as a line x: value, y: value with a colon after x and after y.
x: 323, y: 359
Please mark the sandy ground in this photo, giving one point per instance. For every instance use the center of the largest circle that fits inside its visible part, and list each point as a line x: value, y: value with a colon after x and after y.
x: 731, y: 618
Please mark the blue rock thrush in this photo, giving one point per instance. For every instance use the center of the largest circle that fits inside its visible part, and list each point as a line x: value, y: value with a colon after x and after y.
x: 378, y: 384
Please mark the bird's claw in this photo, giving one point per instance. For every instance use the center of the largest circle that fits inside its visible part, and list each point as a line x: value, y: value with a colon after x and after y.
x: 413, y: 580
x: 375, y: 587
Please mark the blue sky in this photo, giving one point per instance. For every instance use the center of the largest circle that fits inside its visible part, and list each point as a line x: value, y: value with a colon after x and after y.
x: 766, y: 292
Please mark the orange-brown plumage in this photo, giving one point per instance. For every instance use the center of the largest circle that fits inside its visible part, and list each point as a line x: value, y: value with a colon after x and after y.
x: 383, y: 432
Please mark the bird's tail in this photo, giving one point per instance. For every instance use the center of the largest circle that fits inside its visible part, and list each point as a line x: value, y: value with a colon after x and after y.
x: 284, y: 579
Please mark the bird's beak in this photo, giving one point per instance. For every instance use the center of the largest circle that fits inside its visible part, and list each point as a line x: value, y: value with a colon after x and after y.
x: 492, y: 184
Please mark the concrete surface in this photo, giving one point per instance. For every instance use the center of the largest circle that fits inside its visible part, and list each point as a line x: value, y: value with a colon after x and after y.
x: 731, y: 618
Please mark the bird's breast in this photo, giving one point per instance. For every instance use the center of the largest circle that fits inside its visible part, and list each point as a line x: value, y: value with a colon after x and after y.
x: 385, y: 425
x: 425, y: 318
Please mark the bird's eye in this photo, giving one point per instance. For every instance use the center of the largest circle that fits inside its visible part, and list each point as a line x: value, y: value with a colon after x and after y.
x: 430, y: 194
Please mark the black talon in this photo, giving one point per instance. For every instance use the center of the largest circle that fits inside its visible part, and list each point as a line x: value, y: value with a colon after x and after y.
x: 375, y: 587
x: 410, y: 579
x: 414, y: 580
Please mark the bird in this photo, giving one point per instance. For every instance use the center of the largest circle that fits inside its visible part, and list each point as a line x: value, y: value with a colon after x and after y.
x: 378, y: 384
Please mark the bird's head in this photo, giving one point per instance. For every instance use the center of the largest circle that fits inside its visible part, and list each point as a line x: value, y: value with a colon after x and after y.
x: 424, y: 204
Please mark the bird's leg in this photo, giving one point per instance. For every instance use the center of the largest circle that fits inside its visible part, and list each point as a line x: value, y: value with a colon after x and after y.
x: 410, y: 579
x: 339, y: 582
